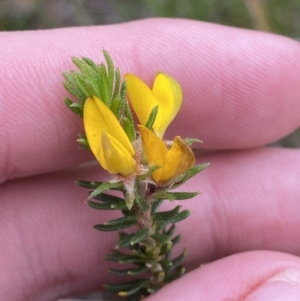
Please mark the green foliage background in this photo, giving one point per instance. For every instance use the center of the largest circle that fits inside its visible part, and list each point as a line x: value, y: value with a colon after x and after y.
x: 281, y: 16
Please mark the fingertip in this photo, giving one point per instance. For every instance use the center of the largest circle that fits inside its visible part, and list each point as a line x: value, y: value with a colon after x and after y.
x: 237, y: 277
x: 240, y: 87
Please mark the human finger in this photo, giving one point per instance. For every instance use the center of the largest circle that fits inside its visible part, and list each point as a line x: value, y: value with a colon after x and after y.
x: 248, y: 203
x: 241, y: 88
x: 250, y: 276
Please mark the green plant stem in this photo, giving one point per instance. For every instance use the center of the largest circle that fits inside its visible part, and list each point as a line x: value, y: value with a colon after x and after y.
x: 152, y: 248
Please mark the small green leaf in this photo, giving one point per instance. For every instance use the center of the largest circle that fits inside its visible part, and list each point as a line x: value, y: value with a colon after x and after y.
x: 168, y: 254
x: 127, y: 212
x: 76, y: 105
x: 165, y: 250
x: 173, y: 219
x: 176, y: 240
x: 124, y: 240
x: 91, y: 64
x: 174, y: 195
x: 77, y: 62
x: 104, y: 86
x: 116, y: 107
x: 161, y: 238
x: 119, y: 206
x: 124, y: 258
x: 108, y: 198
x: 117, y: 224
x: 73, y: 106
x: 74, y: 91
x: 183, y: 195
x: 92, y: 81
x: 102, y: 227
x: 106, y: 186
x: 135, y: 289
x: 165, y: 263
x: 165, y: 215
x: 101, y: 206
x: 190, y: 173
x: 81, y: 84
x: 155, y: 205
x: 121, y: 108
x: 190, y: 141
x: 141, y: 203
x: 88, y: 184
x: 119, y: 272
x: 171, y: 230
x: 180, y: 271
x: 152, y: 118
x: 177, y: 261
x: 137, y: 271
x: 129, y: 200
x: 110, y: 71
x: 83, y: 142
x: 121, y: 220
x: 139, y: 236
x: 162, y: 195
x: 128, y: 116
x: 123, y: 91
x: 146, y: 175
x: 94, y: 70
x: 116, y: 287
x: 129, y: 128
x: 131, y: 272
x: 117, y: 83
x: 139, y: 251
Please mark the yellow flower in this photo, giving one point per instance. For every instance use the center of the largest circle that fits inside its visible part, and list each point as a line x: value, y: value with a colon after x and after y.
x: 107, y: 139
x: 173, y: 162
x: 166, y: 93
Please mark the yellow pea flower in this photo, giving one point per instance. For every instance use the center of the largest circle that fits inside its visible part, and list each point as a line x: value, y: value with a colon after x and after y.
x: 107, y: 139
x: 174, y: 161
x: 166, y: 93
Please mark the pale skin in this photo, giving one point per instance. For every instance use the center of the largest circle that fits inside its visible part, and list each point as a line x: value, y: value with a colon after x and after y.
x: 241, y: 91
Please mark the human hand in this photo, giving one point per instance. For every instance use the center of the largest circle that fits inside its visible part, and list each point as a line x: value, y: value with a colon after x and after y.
x: 241, y: 91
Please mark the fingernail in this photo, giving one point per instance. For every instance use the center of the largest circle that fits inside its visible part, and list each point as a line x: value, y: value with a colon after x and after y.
x: 284, y: 286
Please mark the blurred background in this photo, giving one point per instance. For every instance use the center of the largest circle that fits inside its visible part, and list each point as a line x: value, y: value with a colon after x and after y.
x: 278, y: 16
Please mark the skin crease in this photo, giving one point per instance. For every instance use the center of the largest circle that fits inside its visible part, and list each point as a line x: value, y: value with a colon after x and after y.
x: 241, y: 91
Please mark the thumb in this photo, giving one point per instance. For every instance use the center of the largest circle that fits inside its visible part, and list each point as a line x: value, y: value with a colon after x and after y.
x: 251, y: 276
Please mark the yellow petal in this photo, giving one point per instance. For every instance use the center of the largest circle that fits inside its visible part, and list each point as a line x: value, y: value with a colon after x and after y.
x: 107, y: 139
x: 141, y: 97
x: 174, y: 161
x: 187, y: 159
x: 114, y: 157
x: 168, y: 93
x: 97, y: 117
x: 178, y: 160
x: 155, y: 149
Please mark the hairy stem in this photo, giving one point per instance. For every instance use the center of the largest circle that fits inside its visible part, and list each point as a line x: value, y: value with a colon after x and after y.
x: 152, y: 248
